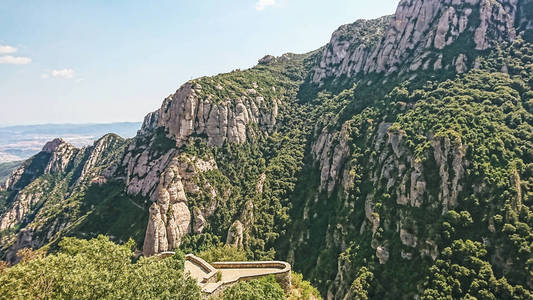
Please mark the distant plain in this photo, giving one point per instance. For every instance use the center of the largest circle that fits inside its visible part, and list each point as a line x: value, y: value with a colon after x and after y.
x: 22, y: 141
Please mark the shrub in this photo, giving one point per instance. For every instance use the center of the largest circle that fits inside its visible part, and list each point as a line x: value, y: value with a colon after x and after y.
x: 97, y: 269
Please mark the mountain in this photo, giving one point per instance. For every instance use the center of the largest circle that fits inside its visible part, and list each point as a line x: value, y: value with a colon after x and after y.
x: 22, y: 141
x: 394, y: 162
x: 6, y: 169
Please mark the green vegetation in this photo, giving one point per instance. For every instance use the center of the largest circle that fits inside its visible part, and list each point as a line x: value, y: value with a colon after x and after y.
x: 223, y: 253
x: 109, y: 210
x: 264, y: 288
x: 462, y: 272
x: 302, y: 289
x: 484, y: 113
x: 97, y: 269
x: 68, y: 198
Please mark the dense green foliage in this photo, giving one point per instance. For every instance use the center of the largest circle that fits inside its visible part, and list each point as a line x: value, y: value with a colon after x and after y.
x: 486, y: 114
x: 264, y: 288
x: 463, y: 272
x: 97, y: 269
x: 302, y: 289
x: 278, y: 157
x: 109, y: 210
x: 223, y: 253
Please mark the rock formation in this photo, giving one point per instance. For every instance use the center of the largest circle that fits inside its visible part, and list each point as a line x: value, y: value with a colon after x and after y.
x: 170, y: 217
x: 416, y: 36
x: 235, y: 234
x: 188, y: 112
x: 31, y: 186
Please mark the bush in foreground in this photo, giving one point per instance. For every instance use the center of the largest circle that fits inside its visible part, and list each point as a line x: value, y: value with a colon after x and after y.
x: 97, y: 269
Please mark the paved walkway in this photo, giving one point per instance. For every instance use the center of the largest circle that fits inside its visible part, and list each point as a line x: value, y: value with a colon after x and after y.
x: 195, y: 270
x: 231, y: 272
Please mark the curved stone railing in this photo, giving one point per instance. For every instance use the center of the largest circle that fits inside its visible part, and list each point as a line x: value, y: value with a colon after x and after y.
x: 209, y: 282
x: 283, y: 276
x: 165, y: 254
x: 209, y: 269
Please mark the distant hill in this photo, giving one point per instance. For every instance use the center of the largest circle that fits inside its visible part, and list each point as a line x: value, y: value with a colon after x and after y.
x: 22, y: 141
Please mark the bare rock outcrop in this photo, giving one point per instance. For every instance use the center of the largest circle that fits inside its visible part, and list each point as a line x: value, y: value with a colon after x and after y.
x: 96, y: 156
x: 415, y: 37
x: 382, y: 254
x: 150, y: 123
x: 199, y: 221
x: 61, y: 155
x: 22, y: 205
x: 235, y: 234
x: 187, y: 112
x: 170, y: 217
x: 449, y: 152
x: 331, y: 150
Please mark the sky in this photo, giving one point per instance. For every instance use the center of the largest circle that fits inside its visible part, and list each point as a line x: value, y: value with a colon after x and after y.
x: 100, y: 61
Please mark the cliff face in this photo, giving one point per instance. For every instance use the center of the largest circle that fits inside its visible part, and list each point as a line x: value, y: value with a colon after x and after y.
x: 189, y: 111
x: 422, y: 35
x: 243, y: 112
x: 170, y: 217
x: 228, y: 109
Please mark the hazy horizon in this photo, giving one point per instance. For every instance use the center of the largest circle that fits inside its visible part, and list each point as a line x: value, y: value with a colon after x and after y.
x: 19, y: 142
x: 68, y: 123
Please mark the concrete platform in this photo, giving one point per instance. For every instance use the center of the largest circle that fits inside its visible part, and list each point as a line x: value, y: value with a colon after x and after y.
x: 233, y: 272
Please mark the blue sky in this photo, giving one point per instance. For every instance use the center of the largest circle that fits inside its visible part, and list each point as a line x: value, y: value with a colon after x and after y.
x: 111, y: 60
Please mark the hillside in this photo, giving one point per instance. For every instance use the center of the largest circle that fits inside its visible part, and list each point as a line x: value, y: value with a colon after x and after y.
x: 394, y: 162
x: 7, y: 168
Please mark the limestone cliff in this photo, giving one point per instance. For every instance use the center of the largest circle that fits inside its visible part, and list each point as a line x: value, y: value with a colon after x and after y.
x: 422, y: 35
x: 170, y: 217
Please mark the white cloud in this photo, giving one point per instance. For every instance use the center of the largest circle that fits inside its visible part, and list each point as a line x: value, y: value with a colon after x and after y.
x: 63, y: 73
x: 14, y: 60
x: 6, y: 49
x: 261, y: 4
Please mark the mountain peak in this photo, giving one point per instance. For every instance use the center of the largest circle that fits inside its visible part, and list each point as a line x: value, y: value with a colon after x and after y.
x: 52, y: 145
x: 422, y: 35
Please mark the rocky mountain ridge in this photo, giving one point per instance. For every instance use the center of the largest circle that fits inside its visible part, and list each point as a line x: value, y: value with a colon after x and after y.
x: 423, y: 35
x: 381, y: 176
x: 29, y: 187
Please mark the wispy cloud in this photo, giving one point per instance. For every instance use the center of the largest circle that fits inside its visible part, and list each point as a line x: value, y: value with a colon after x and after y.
x: 14, y: 60
x: 6, y: 49
x: 63, y: 73
x: 261, y: 4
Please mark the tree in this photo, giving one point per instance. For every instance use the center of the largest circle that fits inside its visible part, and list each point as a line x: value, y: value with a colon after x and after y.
x: 97, y: 269
x: 264, y: 288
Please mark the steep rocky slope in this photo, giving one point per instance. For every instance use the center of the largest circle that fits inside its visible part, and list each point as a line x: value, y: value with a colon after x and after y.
x: 397, y: 158
x: 34, y: 201
x: 422, y: 35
